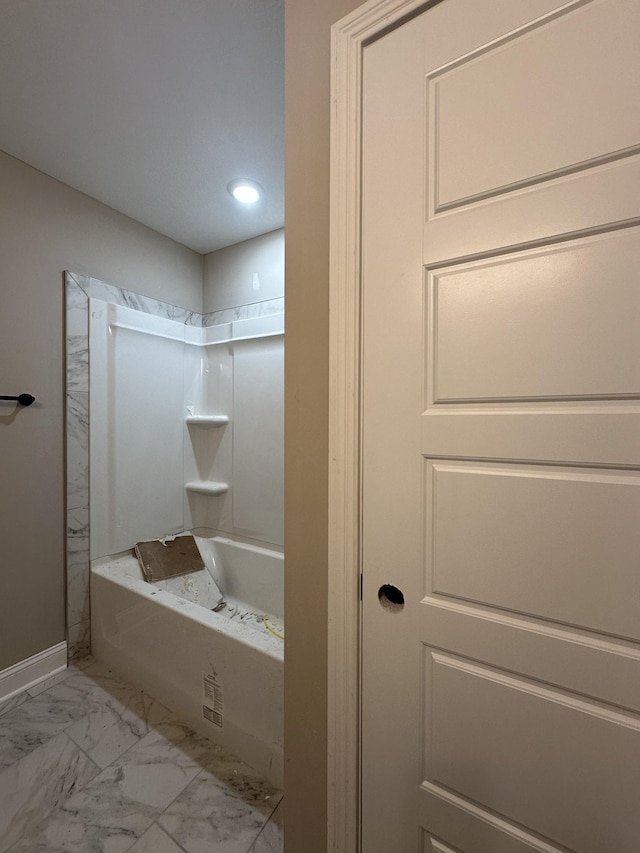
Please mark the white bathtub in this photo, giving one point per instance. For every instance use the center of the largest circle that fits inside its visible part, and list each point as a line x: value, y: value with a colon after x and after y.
x: 221, y: 672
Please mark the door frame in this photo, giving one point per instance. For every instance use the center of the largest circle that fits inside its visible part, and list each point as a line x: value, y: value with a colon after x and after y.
x: 349, y: 37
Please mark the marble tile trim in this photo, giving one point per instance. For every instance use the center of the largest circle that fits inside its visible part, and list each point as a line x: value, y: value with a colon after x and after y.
x: 77, y: 336
x: 79, y: 286
x: 245, y: 312
x: 96, y: 289
x: 77, y: 465
x: 77, y: 442
x: 77, y: 562
x: 119, y: 296
x: 79, y: 639
x: 79, y: 289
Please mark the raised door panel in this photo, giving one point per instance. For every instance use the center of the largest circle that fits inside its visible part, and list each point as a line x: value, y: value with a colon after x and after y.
x: 574, y: 777
x: 558, y: 95
x: 556, y: 322
x: 594, y: 666
x: 557, y: 543
x: 534, y: 134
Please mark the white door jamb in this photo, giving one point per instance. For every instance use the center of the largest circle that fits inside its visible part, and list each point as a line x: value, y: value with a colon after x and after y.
x: 348, y: 39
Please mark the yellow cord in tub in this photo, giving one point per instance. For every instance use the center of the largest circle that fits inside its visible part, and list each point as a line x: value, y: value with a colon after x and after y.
x: 269, y: 628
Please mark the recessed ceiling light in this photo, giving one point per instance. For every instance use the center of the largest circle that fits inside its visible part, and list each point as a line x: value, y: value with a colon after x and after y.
x: 247, y: 192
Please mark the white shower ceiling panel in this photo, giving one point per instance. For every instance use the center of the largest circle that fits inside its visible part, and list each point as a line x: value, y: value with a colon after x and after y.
x: 151, y: 107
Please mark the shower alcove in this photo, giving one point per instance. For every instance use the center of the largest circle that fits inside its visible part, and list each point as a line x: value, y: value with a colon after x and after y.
x: 178, y: 426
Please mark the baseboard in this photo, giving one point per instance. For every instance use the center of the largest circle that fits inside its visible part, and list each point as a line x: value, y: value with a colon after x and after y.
x: 29, y: 672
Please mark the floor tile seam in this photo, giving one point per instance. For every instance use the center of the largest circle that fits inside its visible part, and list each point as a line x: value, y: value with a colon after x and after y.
x: 67, y: 674
x: 237, y: 795
x: 40, y: 746
x: 168, y: 806
x: 204, y: 770
x: 64, y: 726
x: 71, y: 737
x: 175, y: 840
x: 151, y: 730
x: 12, y: 704
x: 83, y: 751
x: 124, y: 712
x: 127, y: 717
x: 60, y: 808
x: 265, y: 824
x: 111, y: 763
x: 151, y: 700
x: 62, y: 730
x: 46, y: 813
x: 20, y: 707
x: 42, y: 695
x: 274, y: 810
x: 166, y: 831
x: 66, y: 815
x: 147, y: 699
x: 118, y: 758
x: 117, y: 706
x: 28, y: 695
x: 254, y: 840
x: 71, y: 669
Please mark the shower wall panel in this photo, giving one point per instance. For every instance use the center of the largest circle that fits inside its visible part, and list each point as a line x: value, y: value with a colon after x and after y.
x: 211, y: 448
x: 243, y: 378
x: 258, y: 444
x: 154, y: 383
x: 137, y: 404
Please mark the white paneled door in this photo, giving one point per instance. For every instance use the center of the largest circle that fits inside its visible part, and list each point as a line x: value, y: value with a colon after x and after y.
x: 501, y: 439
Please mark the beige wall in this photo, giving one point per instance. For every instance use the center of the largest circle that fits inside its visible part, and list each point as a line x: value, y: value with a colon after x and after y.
x: 307, y: 105
x: 45, y: 228
x: 229, y: 274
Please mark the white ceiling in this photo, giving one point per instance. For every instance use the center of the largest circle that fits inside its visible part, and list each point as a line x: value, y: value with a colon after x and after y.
x: 151, y: 106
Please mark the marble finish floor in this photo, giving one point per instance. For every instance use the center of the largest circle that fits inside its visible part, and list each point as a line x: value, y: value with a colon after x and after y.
x: 91, y: 764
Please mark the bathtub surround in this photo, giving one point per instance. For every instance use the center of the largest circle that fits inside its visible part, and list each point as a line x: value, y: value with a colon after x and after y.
x: 80, y: 290
x: 186, y: 428
x: 89, y: 762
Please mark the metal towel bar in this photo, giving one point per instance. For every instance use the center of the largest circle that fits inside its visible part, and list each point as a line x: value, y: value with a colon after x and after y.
x: 23, y: 399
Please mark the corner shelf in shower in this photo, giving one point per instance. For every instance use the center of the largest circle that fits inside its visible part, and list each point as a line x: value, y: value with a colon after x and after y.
x: 207, y: 487
x: 207, y: 421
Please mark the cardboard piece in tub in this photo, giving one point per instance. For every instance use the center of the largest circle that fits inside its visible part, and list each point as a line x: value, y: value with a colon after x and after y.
x: 168, y: 558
